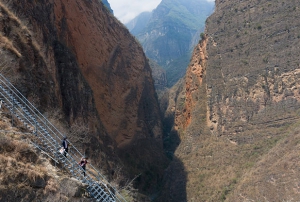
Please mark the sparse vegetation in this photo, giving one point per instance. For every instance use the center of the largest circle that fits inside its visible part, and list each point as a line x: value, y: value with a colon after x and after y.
x: 24, y: 172
x: 8, y: 45
x: 259, y: 27
x: 265, y: 59
x: 19, y: 163
x: 202, y: 36
x: 245, y: 62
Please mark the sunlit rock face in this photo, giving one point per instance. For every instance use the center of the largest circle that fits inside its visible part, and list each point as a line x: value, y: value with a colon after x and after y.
x: 236, y: 113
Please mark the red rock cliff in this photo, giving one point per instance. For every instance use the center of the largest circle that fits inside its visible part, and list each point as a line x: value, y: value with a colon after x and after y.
x: 74, y: 56
x: 114, y: 66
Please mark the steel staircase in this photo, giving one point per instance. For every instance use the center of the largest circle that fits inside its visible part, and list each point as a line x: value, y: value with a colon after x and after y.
x: 49, y: 139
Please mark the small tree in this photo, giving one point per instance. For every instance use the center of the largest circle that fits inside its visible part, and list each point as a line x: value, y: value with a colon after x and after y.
x: 202, y: 35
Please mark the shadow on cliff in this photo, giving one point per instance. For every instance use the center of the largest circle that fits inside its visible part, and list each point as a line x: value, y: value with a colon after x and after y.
x: 174, y: 183
x: 173, y: 188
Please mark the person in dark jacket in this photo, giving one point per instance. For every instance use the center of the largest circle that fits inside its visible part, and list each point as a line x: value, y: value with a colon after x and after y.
x: 65, y: 146
x: 83, y: 163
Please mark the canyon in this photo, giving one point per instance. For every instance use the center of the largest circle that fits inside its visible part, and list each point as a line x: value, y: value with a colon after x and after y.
x: 227, y: 131
x: 85, y: 72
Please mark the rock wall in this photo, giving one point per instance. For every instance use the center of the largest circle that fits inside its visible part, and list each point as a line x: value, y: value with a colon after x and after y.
x: 80, y: 66
x: 185, y: 128
x: 253, y: 63
x: 237, y: 110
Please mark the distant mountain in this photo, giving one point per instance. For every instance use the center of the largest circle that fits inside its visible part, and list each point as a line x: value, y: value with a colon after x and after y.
x: 171, y: 32
x: 107, y: 5
x: 138, y: 24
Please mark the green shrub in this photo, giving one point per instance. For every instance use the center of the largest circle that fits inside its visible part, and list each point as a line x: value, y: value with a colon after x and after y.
x: 202, y: 35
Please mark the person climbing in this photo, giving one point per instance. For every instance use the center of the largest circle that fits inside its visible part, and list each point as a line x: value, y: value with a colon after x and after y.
x: 83, y: 163
x: 65, y: 146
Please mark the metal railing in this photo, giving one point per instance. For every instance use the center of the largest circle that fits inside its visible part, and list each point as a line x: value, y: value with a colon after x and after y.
x: 49, y: 138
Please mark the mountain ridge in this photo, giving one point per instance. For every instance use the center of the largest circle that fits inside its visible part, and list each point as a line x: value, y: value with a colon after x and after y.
x: 172, y: 32
x: 107, y: 5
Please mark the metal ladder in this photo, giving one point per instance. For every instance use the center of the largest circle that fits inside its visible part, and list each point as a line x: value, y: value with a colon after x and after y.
x: 49, y: 138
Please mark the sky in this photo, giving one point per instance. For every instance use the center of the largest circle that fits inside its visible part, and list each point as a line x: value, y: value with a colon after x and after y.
x: 126, y: 10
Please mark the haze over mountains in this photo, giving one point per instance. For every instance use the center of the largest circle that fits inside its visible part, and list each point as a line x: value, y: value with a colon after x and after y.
x: 169, y: 33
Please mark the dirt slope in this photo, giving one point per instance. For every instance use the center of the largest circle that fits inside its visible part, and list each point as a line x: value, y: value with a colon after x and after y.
x: 28, y: 175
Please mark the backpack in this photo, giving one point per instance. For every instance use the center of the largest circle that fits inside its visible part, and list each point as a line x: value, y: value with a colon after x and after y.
x: 83, y: 163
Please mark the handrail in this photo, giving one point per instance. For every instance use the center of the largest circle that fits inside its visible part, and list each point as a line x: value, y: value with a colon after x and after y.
x: 30, y: 106
x: 24, y: 110
x: 44, y: 152
x: 37, y: 113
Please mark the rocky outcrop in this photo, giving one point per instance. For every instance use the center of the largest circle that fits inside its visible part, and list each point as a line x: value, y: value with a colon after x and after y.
x: 82, y: 68
x: 195, y: 90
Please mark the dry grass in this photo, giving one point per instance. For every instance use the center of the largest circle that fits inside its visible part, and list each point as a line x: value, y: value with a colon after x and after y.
x: 18, y: 164
x: 17, y: 172
x: 3, y: 125
x: 25, y: 153
x: 8, y: 11
x: 8, y: 45
x: 18, y: 28
x: 6, y: 42
x: 14, y: 17
x: 51, y: 187
x: 6, y: 145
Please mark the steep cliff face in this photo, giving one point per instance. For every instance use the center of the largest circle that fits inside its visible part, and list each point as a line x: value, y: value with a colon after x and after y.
x: 187, y: 134
x: 253, y: 96
x: 257, y: 68
x: 74, y: 57
x: 236, y: 129
x: 195, y: 92
x: 123, y: 62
